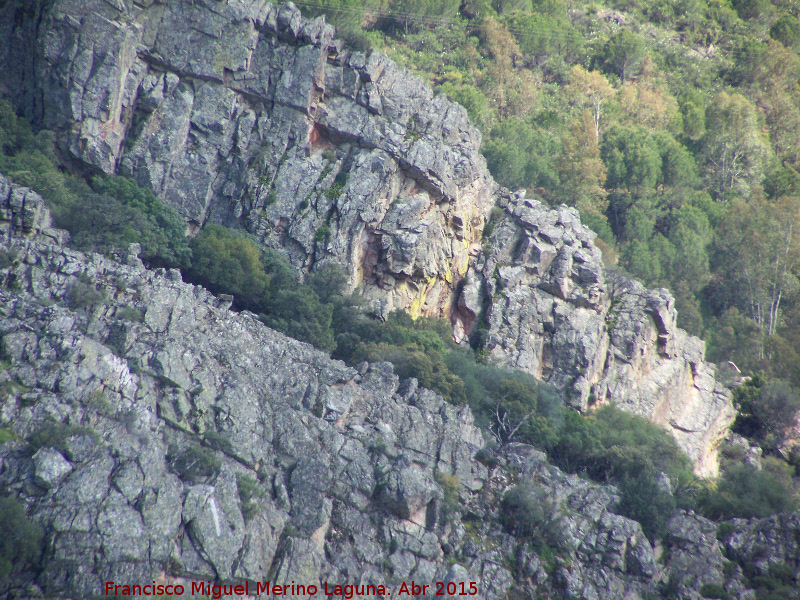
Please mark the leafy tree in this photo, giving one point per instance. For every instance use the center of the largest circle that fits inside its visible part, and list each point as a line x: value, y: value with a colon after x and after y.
x: 694, y: 117
x: 734, y: 150
x: 581, y: 170
x: 765, y: 408
x: 632, y: 159
x: 298, y: 313
x: 522, y: 156
x: 733, y: 336
x: 784, y: 181
x: 412, y: 14
x: 649, y: 106
x: 510, y: 90
x: 745, y: 492
x: 614, y: 446
x: 471, y: 98
x: 761, y: 252
x: 786, y: 30
x: 752, y: 9
x: 622, y: 54
x: 227, y: 262
x: 545, y: 40
x: 589, y: 90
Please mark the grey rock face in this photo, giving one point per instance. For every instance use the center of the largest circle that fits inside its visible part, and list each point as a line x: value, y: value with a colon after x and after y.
x: 200, y: 445
x: 179, y: 440
x: 51, y: 467
x: 247, y: 114
x: 550, y: 307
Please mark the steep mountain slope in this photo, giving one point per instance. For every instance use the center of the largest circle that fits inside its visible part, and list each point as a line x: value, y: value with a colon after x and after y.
x: 155, y: 435
x: 246, y: 114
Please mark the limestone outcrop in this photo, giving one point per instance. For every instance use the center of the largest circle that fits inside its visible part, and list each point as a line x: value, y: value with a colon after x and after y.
x: 244, y: 113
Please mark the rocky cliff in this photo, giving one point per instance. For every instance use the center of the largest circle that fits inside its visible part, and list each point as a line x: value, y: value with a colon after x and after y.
x: 155, y: 435
x: 245, y: 113
x: 549, y: 307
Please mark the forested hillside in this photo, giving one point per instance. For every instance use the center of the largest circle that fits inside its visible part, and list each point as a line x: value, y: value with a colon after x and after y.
x: 673, y: 126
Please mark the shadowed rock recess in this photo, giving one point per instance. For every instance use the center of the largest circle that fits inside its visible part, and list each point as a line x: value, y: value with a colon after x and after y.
x: 244, y: 113
x: 162, y: 437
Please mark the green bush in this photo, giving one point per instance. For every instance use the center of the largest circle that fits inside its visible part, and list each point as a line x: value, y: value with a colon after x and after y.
x: 714, y: 590
x: 129, y: 313
x: 764, y: 408
x: 104, y: 217
x: 786, y: 30
x: 54, y: 434
x: 745, y: 492
x: 225, y: 261
x: 616, y: 447
x: 20, y: 541
x: 250, y: 491
x: 194, y: 463
x: 83, y: 296
x: 526, y: 511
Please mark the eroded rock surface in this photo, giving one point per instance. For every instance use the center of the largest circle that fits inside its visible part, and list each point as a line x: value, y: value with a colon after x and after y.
x: 157, y: 435
x: 244, y: 113
x: 548, y: 306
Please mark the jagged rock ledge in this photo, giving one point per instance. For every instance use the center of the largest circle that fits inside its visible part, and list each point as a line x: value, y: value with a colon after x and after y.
x: 550, y: 307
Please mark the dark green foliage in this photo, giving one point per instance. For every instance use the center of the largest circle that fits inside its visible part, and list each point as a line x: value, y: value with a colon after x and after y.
x: 337, y: 187
x: 20, y: 541
x: 632, y: 158
x: 194, y: 463
x: 250, y: 492
x: 714, y: 590
x: 526, y: 511
x: 417, y: 348
x: 745, y: 492
x: 751, y: 9
x: 163, y: 233
x: 622, y: 54
x: 105, y: 217
x: 299, y: 314
x: 546, y: 40
x: 522, y: 156
x: 227, y: 262
x: 129, y: 313
x: 784, y: 181
x: 495, y: 216
x: 84, y: 296
x: 765, y: 408
x: 786, y: 30
x: 54, y: 434
x: 7, y: 258
x: 614, y: 446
